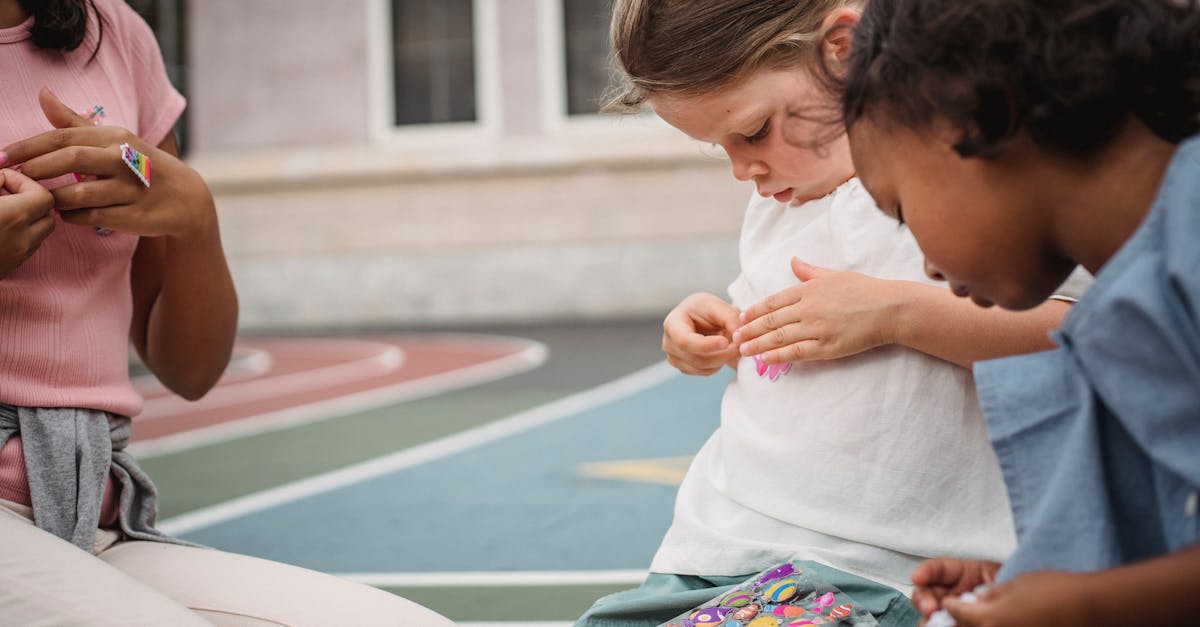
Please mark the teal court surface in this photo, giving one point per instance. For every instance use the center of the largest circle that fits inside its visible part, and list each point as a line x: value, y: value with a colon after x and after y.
x: 500, y: 476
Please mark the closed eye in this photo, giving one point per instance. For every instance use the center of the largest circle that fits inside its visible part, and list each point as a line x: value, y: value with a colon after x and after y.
x: 760, y: 135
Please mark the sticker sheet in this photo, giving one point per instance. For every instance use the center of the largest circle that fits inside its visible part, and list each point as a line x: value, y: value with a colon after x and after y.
x: 783, y: 596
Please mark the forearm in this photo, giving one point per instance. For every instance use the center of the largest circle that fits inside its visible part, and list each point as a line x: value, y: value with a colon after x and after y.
x: 191, y: 320
x: 934, y: 321
x: 1161, y: 591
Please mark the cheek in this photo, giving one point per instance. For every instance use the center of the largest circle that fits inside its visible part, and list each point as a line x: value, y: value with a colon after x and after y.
x: 953, y: 252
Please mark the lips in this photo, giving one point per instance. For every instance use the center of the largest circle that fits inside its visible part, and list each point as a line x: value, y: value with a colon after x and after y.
x: 780, y: 196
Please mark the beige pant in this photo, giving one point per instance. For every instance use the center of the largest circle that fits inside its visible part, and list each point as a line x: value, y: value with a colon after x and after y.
x: 45, y: 580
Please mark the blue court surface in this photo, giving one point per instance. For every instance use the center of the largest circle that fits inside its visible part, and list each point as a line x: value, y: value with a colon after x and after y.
x: 516, y: 501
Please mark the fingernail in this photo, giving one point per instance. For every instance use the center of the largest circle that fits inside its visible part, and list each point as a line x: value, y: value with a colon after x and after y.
x: 3, y: 157
x: 737, y: 337
x: 744, y: 349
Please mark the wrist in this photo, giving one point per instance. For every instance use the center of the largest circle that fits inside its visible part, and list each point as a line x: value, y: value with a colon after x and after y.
x: 896, y: 319
x: 200, y: 224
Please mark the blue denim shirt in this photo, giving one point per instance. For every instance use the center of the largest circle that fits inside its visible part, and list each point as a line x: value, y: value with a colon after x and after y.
x: 1099, y: 440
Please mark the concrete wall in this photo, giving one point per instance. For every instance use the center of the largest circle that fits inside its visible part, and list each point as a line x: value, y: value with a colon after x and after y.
x: 271, y: 73
x: 328, y: 224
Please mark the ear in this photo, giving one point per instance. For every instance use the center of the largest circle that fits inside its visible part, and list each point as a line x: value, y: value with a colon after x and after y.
x: 837, y: 29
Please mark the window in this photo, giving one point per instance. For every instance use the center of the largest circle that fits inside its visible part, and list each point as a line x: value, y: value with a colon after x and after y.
x: 590, y: 71
x: 167, y: 18
x: 433, y: 52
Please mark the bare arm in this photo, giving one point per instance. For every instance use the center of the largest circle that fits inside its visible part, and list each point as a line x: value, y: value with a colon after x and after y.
x: 185, y: 306
x: 835, y: 313
x: 936, y: 322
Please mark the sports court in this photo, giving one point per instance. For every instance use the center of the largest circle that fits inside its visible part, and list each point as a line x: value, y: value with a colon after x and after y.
x: 502, y: 475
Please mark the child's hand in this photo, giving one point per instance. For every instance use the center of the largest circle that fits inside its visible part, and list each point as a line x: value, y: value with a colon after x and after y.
x: 696, y: 334
x: 25, y: 218
x: 830, y: 314
x: 1050, y: 599
x: 111, y: 196
x: 935, y: 579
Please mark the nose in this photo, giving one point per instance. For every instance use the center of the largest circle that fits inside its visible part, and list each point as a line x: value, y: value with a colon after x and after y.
x: 744, y: 167
x: 932, y: 272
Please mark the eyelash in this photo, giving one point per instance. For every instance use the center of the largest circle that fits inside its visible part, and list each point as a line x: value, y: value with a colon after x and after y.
x: 761, y: 134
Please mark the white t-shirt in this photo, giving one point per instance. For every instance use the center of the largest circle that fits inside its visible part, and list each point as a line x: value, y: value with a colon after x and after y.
x: 868, y: 463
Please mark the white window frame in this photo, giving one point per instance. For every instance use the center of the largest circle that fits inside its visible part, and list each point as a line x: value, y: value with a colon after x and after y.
x: 555, y: 119
x: 381, y: 81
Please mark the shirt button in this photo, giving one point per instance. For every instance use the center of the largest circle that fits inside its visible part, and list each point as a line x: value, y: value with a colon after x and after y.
x: 1191, y: 506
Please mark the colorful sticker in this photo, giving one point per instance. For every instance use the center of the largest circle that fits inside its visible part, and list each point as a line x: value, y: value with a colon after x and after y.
x: 138, y: 162
x: 94, y: 115
x: 783, y: 596
x: 771, y: 371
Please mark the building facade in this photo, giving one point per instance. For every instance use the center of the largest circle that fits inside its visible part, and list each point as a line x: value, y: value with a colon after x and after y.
x: 427, y: 162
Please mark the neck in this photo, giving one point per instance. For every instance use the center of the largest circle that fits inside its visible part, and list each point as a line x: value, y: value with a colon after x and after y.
x: 1102, y: 202
x: 12, y: 13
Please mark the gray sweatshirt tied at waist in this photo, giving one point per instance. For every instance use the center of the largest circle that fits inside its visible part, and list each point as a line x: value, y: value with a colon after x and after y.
x: 68, y: 453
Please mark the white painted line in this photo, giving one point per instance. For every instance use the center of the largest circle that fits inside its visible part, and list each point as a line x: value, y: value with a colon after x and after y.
x: 385, y: 358
x: 633, y: 578
x: 518, y: 624
x: 423, y: 453
x: 533, y: 355
x: 246, y: 363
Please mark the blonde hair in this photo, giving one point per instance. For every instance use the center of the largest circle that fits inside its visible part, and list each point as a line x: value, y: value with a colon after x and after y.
x: 692, y: 47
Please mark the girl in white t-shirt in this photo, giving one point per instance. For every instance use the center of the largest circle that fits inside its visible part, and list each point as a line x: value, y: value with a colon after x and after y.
x: 851, y: 437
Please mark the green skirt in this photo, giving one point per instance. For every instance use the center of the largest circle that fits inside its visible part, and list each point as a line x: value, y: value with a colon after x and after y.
x: 663, y: 597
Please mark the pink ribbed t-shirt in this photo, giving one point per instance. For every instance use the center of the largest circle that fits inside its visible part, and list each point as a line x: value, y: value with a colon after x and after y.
x: 65, y: 312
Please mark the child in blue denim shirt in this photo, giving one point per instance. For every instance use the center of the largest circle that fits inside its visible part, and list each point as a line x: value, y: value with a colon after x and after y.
x: 1017, y: 138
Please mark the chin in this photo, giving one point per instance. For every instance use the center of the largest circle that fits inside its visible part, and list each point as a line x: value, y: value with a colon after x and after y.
x: 1023, y: 300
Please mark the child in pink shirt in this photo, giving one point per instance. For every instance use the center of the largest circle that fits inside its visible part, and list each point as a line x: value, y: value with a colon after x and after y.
x: 107, y: 238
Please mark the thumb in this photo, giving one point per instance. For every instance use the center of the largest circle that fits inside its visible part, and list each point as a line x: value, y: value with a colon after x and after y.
x: 965, y: 614
x: 59, y: 114
x: 804, y: 271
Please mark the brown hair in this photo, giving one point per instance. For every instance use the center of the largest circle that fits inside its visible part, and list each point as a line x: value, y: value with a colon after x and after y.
x: 691, y: 47
x: 62, y: 24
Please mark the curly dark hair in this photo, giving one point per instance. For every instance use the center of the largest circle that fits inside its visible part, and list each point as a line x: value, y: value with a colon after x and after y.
x: 62, y: 24
x: 1068, y: 72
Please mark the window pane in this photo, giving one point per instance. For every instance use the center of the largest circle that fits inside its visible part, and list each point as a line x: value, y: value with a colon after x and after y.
x: 590, y: 69
x: 434, y: 61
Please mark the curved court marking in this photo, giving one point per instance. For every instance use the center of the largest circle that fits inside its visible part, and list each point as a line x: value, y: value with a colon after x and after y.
x: 385, y: 358
x: 414, y: 456
x: 245, y: 363
x: 529, y: 355
x: 507, y: 578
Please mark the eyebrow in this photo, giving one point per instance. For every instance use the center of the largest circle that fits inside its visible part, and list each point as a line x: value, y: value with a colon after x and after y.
x: 743, y: 123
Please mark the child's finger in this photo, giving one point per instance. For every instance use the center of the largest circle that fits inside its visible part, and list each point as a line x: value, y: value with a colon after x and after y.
x: 17, y: 183
x: 804, y: 350
x: 91, y: 194
x: 698, y: 344
x: 778, y: 300
x: 92, y: 160
x: 966, y: 614
x: 807, y: 272
x: 691, y: 364
x: 942, y: 571
x: 773, y: 330
x: 715, y: 313
x: 928, y: 600
x: 57, y: 113
x: 45, y: 143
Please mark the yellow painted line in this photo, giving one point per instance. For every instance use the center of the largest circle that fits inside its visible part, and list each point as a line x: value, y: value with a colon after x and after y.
x: 665, y: 470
